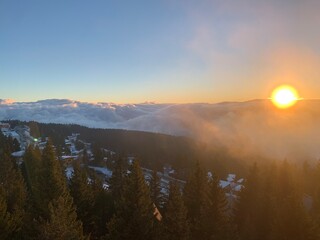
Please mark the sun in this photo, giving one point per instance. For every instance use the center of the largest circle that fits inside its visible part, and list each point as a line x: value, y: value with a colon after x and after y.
x: 284, y: 96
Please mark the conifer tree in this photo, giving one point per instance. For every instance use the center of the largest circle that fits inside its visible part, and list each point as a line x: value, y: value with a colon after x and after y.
x: 195, y: 198
x: 117, y: 179
x: 248, y: 208
x: 85, y: 157
x: 7, y: 223
x: 31, y: 169
x: 98, y: 155
x: 13, y: 196
x: 134, y: 214
x: 155, y: 189
x: 103, y: 208
x: 175, y: 222
x: 290, y: 218
x: 214, y: 221
x: 58, y: 216
x: 83, y: 195
x: 62, y: 223
x: 52, y: 178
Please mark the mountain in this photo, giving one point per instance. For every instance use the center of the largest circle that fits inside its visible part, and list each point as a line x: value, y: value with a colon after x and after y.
x: 243, y: 128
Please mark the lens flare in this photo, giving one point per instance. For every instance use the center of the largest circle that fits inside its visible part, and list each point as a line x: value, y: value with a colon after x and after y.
x: 284, y: 96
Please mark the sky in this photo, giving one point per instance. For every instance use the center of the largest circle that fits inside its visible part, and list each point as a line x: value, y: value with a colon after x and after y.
x: 165, y: 51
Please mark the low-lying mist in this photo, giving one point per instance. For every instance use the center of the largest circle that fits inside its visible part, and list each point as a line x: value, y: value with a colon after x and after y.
x: 245, y: 129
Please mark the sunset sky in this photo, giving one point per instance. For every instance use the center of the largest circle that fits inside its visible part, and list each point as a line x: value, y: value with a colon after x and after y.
x: 161, y: 51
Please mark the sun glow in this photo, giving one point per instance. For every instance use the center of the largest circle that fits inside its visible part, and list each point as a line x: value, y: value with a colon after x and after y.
x: 284, y: 96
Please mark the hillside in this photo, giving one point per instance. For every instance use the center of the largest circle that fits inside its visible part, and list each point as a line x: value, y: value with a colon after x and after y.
x: 153, y: 149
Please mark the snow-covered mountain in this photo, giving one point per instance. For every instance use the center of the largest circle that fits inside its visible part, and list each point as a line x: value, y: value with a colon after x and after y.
x: 242, y: 127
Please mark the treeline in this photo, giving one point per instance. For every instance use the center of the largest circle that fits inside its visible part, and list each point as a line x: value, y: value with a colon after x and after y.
x: 153, y: 149
x: 37, y: 201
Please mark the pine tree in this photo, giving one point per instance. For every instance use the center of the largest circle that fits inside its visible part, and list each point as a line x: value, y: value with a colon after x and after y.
x: 98, y: 155
x: 12, y: 197
x: 155, y: 190
x: 248, y: 208
x: 85, y: 157
x: 31, y: 169
x: 83, y: 195
x: 195, y: 198
x: 8, y: 224
x: 175, y: 222
x: 290, y: 218
x: 58, y: 219
x: 117, y: 179
x: 103, y: 209
x: 52, y: 179
x: 134, y: 214
x: 214, y: 221
x: 62, y: 223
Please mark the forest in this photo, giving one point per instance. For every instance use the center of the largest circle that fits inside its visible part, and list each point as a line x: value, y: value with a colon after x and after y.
x: 279, y: 201
x: 154, y: 150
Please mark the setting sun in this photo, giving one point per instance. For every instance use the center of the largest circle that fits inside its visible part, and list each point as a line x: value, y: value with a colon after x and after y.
x: 284, y: 96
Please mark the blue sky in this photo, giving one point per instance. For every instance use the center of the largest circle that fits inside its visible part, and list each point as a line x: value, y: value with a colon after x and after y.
x: 162, y: 51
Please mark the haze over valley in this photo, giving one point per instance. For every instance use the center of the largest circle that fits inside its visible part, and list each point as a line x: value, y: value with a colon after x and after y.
x: 249, y: 128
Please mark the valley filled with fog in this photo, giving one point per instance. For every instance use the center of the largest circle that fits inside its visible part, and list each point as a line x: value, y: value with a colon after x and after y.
x: 243, y: 128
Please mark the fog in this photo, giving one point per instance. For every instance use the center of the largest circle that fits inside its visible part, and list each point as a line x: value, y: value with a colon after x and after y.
x: 243, y: 128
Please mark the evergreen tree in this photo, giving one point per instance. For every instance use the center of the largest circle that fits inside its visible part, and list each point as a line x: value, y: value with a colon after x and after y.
x: 214, y: 221
x: 103, y: 209
x: 31, y: 169
x: 13, y: 197
x: 155, y: 190
x: 83, y: 195
x: 58, y: 216
x: 52, y: 179
x: 175, y: 223
x: 98, y: 155
x: 85, y: 157
x: 117, y: 179
x: 248, y: 208
x: 7, y: 223
x: 62, y: 223
x: 195, y: 198
x: 134, y: 214
x: 290, y: 218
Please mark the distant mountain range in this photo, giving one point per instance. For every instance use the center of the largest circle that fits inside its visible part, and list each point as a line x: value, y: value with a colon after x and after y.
x: 245, y: 128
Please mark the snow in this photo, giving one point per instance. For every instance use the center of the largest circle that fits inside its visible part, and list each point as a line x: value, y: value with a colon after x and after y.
x: 238, y: 188
x: 224, y: 184
x: 18, y: 154
x: 241, y: 180
x: 105, y: 171
x: 231, y: 177
x: 69, y: 172
x: 67, y: 157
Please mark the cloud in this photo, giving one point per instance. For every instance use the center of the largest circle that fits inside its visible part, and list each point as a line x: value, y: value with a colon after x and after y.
x: 245, y: 129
